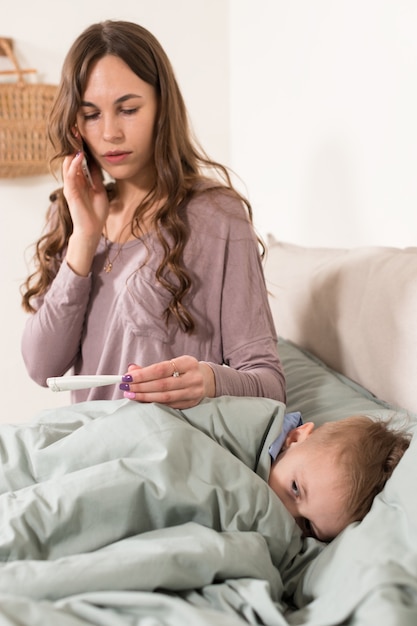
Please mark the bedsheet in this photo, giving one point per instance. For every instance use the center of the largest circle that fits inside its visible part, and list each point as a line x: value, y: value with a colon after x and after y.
x: 120, y: 513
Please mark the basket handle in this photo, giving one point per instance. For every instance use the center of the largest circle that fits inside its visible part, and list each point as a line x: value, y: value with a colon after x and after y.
x: 6, y: 44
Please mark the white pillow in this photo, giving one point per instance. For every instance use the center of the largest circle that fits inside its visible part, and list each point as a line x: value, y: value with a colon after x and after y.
x: 354, y: 309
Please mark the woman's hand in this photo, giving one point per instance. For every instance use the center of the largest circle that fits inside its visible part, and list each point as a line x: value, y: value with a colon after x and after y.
x: 180, y: 383
x: 89, y: 207
x: 88, y: 204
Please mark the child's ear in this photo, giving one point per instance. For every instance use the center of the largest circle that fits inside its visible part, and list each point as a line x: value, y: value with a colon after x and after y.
x: 299, y: 434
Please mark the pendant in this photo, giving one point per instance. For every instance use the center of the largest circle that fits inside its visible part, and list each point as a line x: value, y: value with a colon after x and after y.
x: 108, y: 267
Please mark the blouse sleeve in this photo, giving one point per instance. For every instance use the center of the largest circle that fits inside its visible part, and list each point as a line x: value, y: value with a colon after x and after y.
x: 252, y: 366
x: 52, y: 335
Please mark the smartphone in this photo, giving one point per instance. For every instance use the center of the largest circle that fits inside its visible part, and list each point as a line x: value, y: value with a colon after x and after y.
x: 84, y: 165
x: 86, y: 171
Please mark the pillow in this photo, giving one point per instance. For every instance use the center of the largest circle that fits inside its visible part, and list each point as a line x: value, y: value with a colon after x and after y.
x: 323, y: 395
x: 354, y: 309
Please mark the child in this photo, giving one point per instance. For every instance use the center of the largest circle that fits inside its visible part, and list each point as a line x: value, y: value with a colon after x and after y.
x: 328, y: 477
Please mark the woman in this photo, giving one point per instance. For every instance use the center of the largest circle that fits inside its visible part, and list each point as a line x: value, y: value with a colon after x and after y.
x: 157, y: 273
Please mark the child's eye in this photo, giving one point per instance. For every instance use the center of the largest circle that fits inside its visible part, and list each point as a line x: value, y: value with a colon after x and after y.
x: 307, y: 525
x: 307, y: 528
x: 294, y: 488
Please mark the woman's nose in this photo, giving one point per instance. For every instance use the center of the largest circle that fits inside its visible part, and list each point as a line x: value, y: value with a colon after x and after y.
x: 111, y: 129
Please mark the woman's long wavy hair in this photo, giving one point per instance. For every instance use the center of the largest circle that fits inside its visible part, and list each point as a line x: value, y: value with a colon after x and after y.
x: 181, y: 167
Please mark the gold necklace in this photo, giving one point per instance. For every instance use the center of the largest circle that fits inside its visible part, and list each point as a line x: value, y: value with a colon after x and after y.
x: 108, y: 265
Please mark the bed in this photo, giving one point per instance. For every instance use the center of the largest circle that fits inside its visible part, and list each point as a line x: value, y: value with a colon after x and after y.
x: 115, y: 513
x: 347, y: 320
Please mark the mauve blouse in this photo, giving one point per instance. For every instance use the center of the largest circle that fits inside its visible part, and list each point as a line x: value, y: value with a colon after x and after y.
x: 101, y: 323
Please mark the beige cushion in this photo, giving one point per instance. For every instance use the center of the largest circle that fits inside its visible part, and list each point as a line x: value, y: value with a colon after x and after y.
x: 355, y: 309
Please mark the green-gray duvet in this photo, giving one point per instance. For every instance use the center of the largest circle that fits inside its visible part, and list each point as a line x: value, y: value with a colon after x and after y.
x: 120, y: 514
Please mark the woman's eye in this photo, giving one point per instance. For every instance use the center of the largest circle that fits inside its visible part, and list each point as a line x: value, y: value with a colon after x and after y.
x: 90, y: 116
x: 129, y: 111
x: 294, y: 488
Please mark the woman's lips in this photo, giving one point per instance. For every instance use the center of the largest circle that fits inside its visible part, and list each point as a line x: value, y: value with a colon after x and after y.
x: 116, y: 157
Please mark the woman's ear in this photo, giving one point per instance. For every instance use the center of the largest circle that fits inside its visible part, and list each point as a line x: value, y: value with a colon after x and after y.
x: 299, y: 434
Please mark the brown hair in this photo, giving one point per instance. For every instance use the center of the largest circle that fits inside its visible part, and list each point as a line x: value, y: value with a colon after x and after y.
x: 179, y: 161
x: 369, y: 450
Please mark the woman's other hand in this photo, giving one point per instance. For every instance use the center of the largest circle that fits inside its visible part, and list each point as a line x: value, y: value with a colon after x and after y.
x: 180, y: 383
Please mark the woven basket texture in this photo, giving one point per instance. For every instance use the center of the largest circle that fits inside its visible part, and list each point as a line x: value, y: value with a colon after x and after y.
x: 24, y: 109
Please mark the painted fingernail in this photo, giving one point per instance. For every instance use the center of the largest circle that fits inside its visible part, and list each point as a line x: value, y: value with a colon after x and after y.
x: 129, y: 394
x: 127, y: 378
x: 124, y: 387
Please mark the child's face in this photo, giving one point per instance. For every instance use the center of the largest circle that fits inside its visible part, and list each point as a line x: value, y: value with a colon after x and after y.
x: 310, y: 483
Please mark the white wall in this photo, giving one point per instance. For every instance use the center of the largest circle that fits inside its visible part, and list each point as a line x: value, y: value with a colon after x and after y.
x: 194, y: 33
x: 324, y: 123
x: 312, y: 102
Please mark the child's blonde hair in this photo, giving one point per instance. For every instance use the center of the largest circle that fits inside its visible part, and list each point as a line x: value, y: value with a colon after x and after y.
x: 368, y: 450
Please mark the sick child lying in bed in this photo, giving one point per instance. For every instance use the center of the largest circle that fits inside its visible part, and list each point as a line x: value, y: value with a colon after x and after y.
x: 327, y: 477
x: 82, y: 477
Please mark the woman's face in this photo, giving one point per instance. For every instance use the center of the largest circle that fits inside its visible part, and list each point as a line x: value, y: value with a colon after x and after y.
x: 117, y: 120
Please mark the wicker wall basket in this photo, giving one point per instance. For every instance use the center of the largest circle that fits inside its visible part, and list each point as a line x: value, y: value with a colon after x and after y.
x: 24, y: 109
